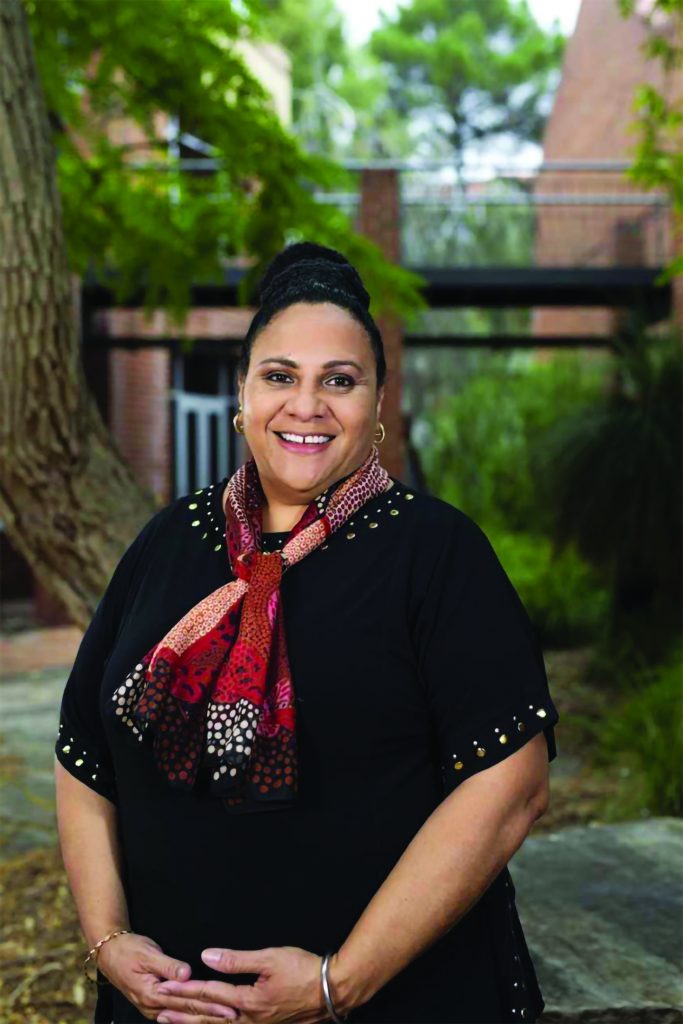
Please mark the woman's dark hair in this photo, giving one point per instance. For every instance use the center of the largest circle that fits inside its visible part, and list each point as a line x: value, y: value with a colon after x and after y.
x: 307, y: 272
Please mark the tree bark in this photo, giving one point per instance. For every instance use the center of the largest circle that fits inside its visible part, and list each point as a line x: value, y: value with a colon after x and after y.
x: 69, y: 503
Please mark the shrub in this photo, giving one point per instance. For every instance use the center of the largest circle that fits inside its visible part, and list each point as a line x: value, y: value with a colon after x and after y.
x: 643, y: 739
x: 482, y: 447
x: 560, y: 591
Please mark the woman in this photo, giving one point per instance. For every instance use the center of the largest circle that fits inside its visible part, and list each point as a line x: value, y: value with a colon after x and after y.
x: 314, y: 638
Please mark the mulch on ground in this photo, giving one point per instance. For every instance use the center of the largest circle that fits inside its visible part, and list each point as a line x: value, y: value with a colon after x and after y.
x: 41, y: 947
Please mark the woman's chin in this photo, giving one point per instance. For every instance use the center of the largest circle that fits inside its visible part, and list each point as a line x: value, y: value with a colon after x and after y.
x: 305, y: 475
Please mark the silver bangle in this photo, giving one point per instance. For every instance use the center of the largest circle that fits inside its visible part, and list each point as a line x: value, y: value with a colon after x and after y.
x: 326, y: 989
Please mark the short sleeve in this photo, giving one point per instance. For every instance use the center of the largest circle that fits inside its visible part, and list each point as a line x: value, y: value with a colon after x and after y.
x: 480, y: 660
x: 81, y: 746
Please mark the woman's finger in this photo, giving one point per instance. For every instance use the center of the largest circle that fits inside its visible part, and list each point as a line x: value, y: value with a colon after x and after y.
x: 165, y: 966
x: 197, y: 1008
x: 176, y: 1017
x: 221, y: 992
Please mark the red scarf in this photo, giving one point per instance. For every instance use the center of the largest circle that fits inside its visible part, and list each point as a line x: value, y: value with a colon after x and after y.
x: 217, y: 691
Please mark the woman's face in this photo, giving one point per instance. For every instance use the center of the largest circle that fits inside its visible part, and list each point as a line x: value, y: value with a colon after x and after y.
x: 311, y: 374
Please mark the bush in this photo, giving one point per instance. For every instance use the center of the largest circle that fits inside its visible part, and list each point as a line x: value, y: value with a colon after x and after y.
x: 482, y: 447
x: 560, y: 592
x: 643, y: 740
x: 611, y: 473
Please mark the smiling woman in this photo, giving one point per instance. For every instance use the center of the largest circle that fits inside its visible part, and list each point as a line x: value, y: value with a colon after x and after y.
x: 309, y: 410
x: 310, y: 637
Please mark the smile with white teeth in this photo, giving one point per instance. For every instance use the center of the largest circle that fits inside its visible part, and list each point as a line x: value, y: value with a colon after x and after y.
x: 305, y: 439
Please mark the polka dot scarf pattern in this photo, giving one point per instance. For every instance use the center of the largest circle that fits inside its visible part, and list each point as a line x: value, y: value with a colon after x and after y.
x: 216, y: 693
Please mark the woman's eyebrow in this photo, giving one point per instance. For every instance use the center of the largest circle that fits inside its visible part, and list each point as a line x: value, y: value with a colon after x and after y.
x: 283, y: 361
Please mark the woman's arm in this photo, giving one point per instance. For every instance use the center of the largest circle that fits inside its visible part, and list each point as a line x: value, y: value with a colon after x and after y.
x: 91, y: 854
x: 454, y: 857
x: 135, y: 964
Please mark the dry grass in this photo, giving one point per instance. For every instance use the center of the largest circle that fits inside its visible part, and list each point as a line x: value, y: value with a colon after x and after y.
x: 41, y: 947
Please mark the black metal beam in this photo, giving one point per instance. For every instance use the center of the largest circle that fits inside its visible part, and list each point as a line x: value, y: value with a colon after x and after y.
x: 507, y: 341
x: 631, y: 288
x: 525, y: 287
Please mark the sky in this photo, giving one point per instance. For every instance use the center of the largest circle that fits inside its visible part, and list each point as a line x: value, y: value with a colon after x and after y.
x: 363, y: 15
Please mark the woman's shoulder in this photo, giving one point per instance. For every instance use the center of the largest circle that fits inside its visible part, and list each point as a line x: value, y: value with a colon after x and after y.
x: 194, y: 513
x: 433, y: 519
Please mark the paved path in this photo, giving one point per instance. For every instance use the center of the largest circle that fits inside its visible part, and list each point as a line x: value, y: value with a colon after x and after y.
x: 601, y: 906
x: 29, y: 717
x: 602, y: 909
x: 35, y: 650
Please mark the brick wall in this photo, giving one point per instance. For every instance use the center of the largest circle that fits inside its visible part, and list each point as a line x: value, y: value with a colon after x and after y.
x: 591, y: 121
x: 140, y: 414
x: 379, y: 220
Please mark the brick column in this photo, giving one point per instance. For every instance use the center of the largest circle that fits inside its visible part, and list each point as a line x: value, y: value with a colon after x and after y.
x: 380, y: 221
x: 140, y: 413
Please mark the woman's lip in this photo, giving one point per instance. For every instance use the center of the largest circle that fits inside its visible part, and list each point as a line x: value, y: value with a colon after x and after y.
x: 302, y: 448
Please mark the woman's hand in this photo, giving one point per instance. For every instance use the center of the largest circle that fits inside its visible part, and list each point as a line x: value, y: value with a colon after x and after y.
x: 136, y: 966
x: 288, y: 990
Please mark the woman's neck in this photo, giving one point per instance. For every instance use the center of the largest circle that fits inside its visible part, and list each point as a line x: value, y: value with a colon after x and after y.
x: 281, y: 518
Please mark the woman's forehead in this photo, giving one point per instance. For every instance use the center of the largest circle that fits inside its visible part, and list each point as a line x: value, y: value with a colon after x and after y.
x: 317, y: 328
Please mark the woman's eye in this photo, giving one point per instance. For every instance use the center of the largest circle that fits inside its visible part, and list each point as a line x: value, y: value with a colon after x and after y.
x: 276, y: 376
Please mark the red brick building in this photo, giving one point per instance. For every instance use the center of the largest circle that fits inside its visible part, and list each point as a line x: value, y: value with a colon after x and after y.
x: 591, y: 126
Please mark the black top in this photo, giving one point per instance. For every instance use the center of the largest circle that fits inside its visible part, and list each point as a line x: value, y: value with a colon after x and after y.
x: 414, y: 666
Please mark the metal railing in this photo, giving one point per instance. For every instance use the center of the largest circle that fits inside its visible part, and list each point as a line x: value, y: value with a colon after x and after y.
x: 573, y: 214
x: 570, y: 213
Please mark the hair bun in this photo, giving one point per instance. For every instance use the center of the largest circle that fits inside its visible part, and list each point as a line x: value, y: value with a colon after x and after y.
x: 309, y: 260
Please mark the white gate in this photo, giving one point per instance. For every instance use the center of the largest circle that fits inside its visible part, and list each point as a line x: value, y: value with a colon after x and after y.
x: 206, y: 447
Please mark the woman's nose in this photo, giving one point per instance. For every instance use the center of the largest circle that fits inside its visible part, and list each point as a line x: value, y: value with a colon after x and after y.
x: 306, y: 402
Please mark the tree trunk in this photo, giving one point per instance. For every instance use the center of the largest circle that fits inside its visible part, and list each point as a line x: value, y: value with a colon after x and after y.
x: 69, y: 504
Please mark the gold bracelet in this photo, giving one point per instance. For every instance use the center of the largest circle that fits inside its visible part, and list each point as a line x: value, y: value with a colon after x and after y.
x: 96, y: 947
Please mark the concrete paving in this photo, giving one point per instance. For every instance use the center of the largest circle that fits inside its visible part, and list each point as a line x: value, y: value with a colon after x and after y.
x: 29, y: 719
x: 601, y: 906
x: 602, y: 910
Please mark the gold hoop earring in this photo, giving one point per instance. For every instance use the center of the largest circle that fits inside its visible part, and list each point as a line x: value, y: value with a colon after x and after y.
x: 378, y: 440
x: 238, y: 428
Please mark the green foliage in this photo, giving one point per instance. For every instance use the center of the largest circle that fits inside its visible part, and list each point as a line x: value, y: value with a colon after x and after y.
x: 482, y: 445
x: 482, y: 451
x: 643, y: 735
x: 658, y: 154
x: 129, y: 211
x: 468, y: 235
x: 312, y: 34
x: 560, y: 591
x: 612, y: 473
x: 341, y: 102
x: 477, y: 70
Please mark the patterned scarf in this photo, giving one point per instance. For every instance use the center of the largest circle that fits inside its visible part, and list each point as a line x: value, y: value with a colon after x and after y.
x: 217, y: 691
